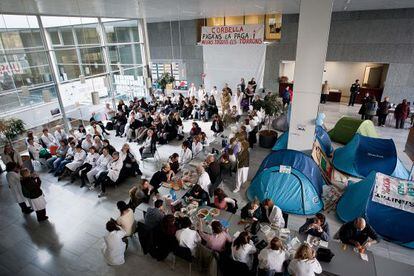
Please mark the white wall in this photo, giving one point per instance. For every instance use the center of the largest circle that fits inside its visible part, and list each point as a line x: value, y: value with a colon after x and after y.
x: 287, y: 69
x: 340, y: 75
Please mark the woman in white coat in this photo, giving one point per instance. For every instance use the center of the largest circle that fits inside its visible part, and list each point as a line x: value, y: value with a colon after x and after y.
x: 273, y: 214
x: 192, y: 91
x: 13, y: 180
x: 111, y: 175
x: 101, y: 166
x: 114, y: 247
x: 304, y: 263
x: 201, y: 93
x: 10, y: 155
x: 78, y: 160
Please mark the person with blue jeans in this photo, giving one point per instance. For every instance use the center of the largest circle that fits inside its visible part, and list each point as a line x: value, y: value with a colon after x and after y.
x: 68, y: 158
x: 54, y: 161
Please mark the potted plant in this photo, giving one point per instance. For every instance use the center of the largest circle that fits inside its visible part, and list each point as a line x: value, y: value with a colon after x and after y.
x: 273, y: 106
x: 165, y: 79
x: 11, y: 128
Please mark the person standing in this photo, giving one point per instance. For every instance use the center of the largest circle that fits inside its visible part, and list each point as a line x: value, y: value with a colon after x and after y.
x: 242, y: 84
x: 32, y: 191
x: 225, y: 101
x: 324, y: 92
x: 371, y: 108
x: 13, y: 179
x: 362, y: 110
x: 242, y: 165
x: 354, y: 92
x: 253, y: 84
x: 402, y: 111
x: 383, y: 110
x: 192, y: 91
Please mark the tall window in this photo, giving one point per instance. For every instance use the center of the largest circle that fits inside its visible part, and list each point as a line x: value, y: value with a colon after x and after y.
x: 23, y: 62
x: 124, y: 46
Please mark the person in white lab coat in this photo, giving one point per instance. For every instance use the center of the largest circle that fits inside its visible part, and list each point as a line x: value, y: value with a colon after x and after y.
x: 77, y: 161
x: 101, y: 166
x: 271, y: 259
x: 111, y: 175
x: 201, y: 93
x: 192, y: 91
x: 272, y: 213
x: 186, y: 154
x: 187, y: 237
x: 48, y: 139
x: 243, y: 249
x: 305, y: 263
x: 60, y: 134
x: 114, y: 247
x: 13, y: 180
x: 89, y: 163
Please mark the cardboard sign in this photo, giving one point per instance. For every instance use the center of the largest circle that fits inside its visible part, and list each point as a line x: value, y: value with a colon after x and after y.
x: 394, y: 192
x: 232, y: 35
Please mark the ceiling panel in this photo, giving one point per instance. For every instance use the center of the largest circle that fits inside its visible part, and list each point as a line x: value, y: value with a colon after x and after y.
x: 165, y: 10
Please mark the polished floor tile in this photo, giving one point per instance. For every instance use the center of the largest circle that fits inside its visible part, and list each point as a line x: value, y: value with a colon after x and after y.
x: 70, y: 243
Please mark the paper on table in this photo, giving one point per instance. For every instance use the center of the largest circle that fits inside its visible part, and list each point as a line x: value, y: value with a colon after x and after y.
x: 323, y: 244
x: 236, y: 234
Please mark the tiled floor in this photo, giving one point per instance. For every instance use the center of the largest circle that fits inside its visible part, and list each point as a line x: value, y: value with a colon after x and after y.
x: 70, y: 243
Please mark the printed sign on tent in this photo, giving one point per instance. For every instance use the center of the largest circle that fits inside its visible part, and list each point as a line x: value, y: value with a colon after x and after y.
x: 394, y: 192
x: 232, y: 35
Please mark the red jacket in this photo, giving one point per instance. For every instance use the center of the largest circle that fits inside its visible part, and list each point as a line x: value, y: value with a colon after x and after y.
x: 402, y: 111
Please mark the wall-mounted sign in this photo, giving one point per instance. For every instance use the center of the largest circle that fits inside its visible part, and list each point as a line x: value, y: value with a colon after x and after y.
x: 232, y: 35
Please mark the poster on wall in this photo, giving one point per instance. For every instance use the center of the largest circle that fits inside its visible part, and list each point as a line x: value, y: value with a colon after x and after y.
x: 394, y: 192
x: 232, y: 35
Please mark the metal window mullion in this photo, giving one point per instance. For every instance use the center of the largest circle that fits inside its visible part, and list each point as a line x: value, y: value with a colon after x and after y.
x: 105, y: 49
x: 78, y: 53
x: 46, y: 44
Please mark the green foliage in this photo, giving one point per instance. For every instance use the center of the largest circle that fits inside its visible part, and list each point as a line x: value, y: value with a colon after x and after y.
x: 11, y: 128
x: 165, y: 79
x: 273, y: 105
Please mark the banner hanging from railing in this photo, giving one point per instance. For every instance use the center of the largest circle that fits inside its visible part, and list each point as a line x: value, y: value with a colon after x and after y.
x: 232, y: 35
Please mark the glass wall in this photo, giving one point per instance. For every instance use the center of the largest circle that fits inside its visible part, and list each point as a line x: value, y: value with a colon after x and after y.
x: 108, y: 52
x: 23, y: 62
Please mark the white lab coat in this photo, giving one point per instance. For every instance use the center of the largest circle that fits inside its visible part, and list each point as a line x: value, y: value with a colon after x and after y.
x: 13, y: 179
x: 185, y: 156
x: 114, y: 168
x: 270, y: 259
x: 197, y: 148
x: 304, y: 267
x: 204, y: 181
x: 34, y: 150
x: 92, y: 159
x: 60, y: 135
x: 101, y: 166
x: 114, y: 247
x: 276, y: 217
x: 192, y: 91
x: 188, y: 238
x: 78, y: 160
x: 49, y: 140
x: 244, y: 254
x: 201, y: 94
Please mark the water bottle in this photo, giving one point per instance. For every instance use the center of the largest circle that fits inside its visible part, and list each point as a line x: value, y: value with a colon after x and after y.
x: 173, y: 194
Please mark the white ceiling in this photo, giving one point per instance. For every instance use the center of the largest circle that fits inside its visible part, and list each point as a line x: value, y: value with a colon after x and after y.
x: 165, y: 10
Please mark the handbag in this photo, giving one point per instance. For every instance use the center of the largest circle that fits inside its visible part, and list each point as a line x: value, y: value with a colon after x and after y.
x: 43, y: 153
x: 324, y: 255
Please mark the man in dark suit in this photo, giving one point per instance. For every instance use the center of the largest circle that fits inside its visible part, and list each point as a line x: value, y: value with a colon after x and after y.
x: 354, y: 92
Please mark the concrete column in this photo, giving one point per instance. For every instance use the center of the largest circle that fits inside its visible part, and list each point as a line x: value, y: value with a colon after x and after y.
x: 312, y: 44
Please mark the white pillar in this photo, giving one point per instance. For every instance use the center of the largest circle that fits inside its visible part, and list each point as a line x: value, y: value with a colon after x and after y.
x: 312, y: 44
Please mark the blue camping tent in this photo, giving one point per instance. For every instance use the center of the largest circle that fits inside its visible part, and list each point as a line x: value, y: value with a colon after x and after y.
x: 298, y: 191
x: 322, y: 136
x: 391, y: 223
x: 365, y: 154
